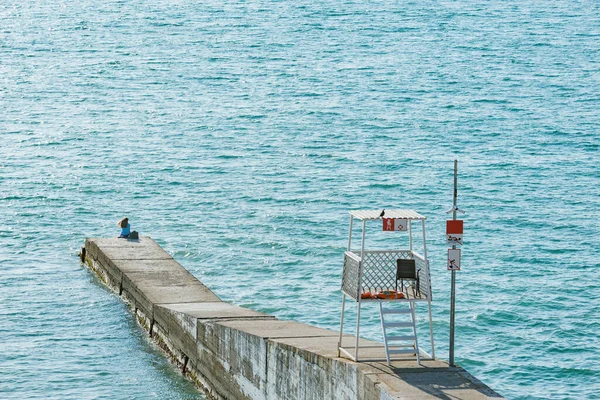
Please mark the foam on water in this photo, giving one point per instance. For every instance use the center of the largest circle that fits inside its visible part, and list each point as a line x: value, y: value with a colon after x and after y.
x: 239, y: 135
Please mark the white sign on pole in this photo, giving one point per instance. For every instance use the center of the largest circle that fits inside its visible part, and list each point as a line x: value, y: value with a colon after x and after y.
x: 453, y: 239
x: 453, y: 259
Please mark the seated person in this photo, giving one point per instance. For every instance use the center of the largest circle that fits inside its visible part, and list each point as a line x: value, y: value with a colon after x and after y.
x: 125, y: 228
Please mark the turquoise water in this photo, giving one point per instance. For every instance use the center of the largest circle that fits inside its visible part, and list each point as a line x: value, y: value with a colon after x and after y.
x: 238, y: 135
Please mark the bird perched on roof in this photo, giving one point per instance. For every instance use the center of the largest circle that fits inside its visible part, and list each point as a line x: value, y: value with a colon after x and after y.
x: 382, y: 213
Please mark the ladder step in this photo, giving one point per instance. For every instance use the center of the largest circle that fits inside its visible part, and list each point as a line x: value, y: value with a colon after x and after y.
x: 397, y: 324
x: 394, y: 338
x: 397, y: 346
x: 399, y: 311
x: 407, y: 351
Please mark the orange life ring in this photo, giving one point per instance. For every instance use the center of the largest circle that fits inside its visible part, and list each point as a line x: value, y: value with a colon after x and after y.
x: 390, y: 294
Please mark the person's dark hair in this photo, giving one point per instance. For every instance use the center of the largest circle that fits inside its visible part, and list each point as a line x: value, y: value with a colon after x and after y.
x: 124, y: 222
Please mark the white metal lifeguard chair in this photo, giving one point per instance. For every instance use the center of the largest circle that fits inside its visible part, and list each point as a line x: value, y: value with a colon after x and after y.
x: 380, y: 276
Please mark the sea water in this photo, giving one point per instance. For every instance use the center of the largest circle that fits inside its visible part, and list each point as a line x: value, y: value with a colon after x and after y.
x: 239, y: 134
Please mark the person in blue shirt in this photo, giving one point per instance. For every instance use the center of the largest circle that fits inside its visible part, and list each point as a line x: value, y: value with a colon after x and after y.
x: 125, y: 228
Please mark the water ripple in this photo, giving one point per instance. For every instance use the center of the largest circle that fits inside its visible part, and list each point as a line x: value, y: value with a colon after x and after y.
x: 240, y: 134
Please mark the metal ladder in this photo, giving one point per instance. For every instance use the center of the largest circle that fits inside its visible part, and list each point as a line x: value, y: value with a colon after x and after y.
x: 400, y: 344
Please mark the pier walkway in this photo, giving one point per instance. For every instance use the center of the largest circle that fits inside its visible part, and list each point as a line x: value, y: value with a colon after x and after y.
x: 238, y: 353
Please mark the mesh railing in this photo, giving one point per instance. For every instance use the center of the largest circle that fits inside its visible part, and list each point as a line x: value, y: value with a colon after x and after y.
x: 379, y: 271
x: 351, y: 275
x: 425, y: 281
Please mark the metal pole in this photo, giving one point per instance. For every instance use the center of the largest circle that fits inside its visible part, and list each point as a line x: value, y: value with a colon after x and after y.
x: 428, y: 294
x: 343, y: 294
x: 350, y: 232
x: 357, y: 332
x: 360, y: 271
x: 342, y: 323
x: 362, y: 244
x: 431, y: 331
x: 453, y: 284
x: 425, y: 245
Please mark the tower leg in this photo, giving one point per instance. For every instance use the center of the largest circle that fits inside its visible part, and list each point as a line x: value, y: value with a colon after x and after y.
x: 341, y: 323
x: 431, y: 331
x: 357, y: 332
x: 413, y: 318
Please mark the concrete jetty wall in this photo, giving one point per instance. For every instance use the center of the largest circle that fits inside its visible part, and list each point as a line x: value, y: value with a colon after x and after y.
x: 237, y: 353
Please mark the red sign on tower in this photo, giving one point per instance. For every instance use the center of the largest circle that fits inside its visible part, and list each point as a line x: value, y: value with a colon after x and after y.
x: 388, y: 224
x: 395, y: 224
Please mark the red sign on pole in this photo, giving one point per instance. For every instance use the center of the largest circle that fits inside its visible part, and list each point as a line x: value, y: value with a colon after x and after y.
x: 454, y: 226
x: 454, y: 232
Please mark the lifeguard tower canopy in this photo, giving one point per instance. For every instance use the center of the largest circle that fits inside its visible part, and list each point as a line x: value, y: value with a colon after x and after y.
x: 375, y: 271
x: 365, y: 215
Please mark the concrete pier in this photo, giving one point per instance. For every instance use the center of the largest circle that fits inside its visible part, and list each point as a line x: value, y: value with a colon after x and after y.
x: 237, y: 353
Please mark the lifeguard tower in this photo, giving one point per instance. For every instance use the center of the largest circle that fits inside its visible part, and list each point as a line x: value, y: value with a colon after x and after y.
x: 391, y: 278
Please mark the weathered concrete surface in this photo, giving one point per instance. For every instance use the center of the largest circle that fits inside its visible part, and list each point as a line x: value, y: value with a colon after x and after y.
x: 215, y: 310
x: 237, y: 353
x: 275, y: 328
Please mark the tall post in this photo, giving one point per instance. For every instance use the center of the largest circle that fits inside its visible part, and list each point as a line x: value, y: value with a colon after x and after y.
x: 342, y: 323
x: 453, y: 284
x: 350, y: 233
x: 343, y: 294
x: 360, y: 272
x: 428, y: 294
